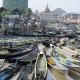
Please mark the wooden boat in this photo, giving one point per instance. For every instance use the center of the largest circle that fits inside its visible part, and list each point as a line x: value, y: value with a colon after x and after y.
x: 75, y: 75
x: 71, y: 65
x: 17, y: 76
x: 67, y: 55
x: 74, y: 70
x: 7, y: 73
x: 15, y: 54
x: 68, y: 63
x: 26, y: 58
x: 18, y: 48
x: 50, y: 76
x: 1, y: 62
x: 40, y: 70
x: 70, y: 57
x: 27, y: 73
x: 13, y: 49
x: 59, y: 71
x: 72, y: 52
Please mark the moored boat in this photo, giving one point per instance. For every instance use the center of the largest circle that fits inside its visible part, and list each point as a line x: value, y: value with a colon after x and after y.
x: 75, y: 75
x: 40, y: 70
x: 7, y: 73
x: 27, y: 73
x: 1, y: 62
x: 67, y: 55
x: 58, y: 70
x: 15, y: 54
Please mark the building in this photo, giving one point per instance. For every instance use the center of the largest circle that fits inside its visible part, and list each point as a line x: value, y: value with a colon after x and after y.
x: 72, y: 18
x: 52, y: 16
x: 15, y: 4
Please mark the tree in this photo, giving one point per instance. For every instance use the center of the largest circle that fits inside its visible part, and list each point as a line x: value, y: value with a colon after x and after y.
x: 29, y: 12
x: 4, y: 12
x: 16, y: 11
x: 2, y: 9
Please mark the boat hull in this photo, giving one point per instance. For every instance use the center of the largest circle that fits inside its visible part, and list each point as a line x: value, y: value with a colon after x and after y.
x: 75, y: 75
x: 40, y: 67
x: 58, y: 72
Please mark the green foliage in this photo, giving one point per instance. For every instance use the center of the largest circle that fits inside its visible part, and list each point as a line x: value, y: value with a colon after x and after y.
x: 2, y: 14
x: 29, y: 12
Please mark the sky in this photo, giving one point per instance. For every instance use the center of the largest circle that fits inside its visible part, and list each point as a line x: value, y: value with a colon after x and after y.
x: 67, y: 5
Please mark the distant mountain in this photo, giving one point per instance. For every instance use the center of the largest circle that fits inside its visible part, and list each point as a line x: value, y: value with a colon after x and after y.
x: 59, y: 11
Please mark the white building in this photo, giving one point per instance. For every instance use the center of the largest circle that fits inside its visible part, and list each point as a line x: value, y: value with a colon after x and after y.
x: 52, y: 16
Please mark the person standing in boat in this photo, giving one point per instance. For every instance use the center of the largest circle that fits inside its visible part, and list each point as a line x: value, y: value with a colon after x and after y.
x: 47, y: 49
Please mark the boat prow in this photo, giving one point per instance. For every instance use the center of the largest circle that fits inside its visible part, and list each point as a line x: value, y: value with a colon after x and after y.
x: 40, y: 66
x: 59, y: 72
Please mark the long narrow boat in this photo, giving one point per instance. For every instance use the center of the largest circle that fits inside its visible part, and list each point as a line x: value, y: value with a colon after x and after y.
x: 7, y: 73
x: 1, y: 62
x: 27, y: 73
x: 50, y: 76
x: 17, y: 76
x: 72, y: 59
x: 74, y: 70
x: 75, y: 53
x: 67, y: 55
x: 40, y: 70
x: 75, y: 75
x: 70, y: 50
x: 59, y: 71
x: 68, y: 63
x: 15, y: 54
x: 17, y: 48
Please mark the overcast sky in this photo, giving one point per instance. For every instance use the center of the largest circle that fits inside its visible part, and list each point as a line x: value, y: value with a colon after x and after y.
x: 67, y: 5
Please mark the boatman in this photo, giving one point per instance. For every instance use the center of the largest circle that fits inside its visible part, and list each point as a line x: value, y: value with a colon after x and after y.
x: 47, y: 49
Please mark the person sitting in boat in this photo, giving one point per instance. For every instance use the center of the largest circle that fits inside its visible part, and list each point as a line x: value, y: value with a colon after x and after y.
x: 47, y: 49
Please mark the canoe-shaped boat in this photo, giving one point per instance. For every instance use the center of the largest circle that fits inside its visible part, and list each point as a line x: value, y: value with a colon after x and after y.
x: 74, y: 70
x: 18, y: 74
x: 27, y: 73
x: 50, y: 76
x: 13, y: 49
x: 1, y: 62
x: 7, y: 73
x: 74, y: 55
x: 17, y: 48
x: 40, y: 70
x: 67, y: 55
x: 59, y: 71
x: 67, y: 63
x: 29, y: 57
x: 75, y: 75
x: 71, y: 51
x: 15, y: 54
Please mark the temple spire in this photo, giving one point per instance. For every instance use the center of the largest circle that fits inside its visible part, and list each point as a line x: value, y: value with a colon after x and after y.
x: 47, y: 10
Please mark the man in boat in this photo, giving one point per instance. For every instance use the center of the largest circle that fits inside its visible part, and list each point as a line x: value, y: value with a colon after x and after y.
x: 47, y: 49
